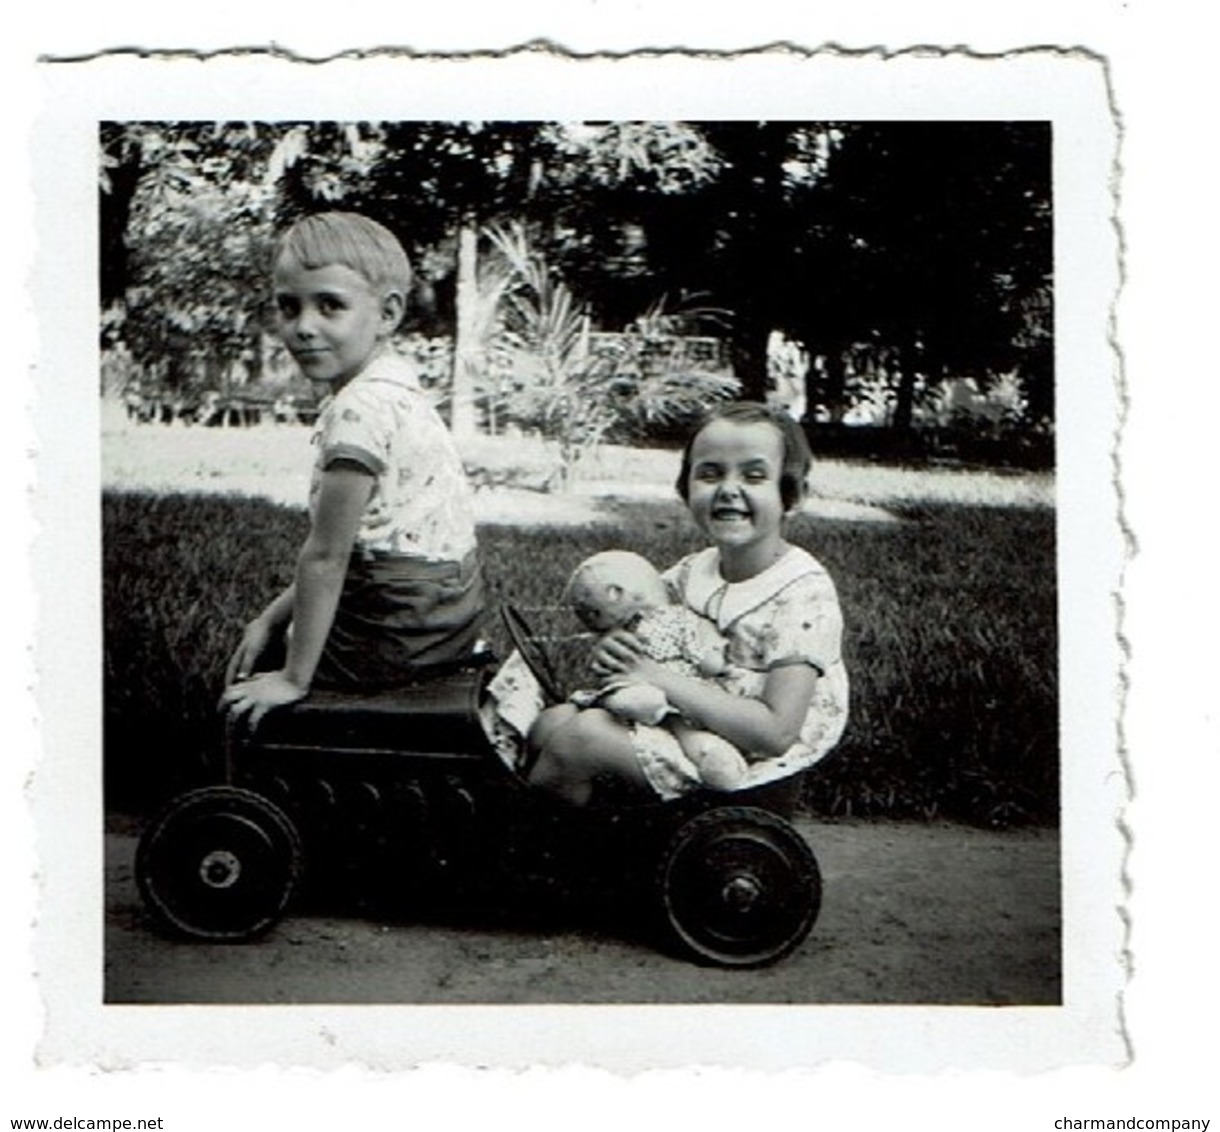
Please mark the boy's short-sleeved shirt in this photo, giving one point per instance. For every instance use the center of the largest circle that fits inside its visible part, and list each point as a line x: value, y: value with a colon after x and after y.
x: 421, y: 504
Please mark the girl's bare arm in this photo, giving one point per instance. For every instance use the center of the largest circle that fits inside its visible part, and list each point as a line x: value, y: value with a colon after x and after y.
x: 765, y: 727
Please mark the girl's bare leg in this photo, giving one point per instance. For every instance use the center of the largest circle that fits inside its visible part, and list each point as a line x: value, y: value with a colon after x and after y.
x: 575, y: 746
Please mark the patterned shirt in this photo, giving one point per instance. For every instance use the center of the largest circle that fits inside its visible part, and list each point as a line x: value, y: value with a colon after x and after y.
x: 788, y: 614
x: 421, y: 502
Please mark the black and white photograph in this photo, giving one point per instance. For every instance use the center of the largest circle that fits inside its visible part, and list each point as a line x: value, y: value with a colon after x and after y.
x: 449, y: 788
x: 642, y: 547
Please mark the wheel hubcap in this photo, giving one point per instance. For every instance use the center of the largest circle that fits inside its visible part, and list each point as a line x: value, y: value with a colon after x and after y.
x: 219, y: 869
x: 741, y: 892
x: 739, y: 887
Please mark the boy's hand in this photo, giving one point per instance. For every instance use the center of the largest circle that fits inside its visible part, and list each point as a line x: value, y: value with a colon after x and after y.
x: 259, y: 695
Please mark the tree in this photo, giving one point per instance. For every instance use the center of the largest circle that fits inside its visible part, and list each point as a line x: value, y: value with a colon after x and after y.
x: 441, y: 184
x: 934, y: 240
x: 711, y: 207
x: 928, y: 244
x: 609, y: 192
x: 193, y: 203
x: 120, y: 166
x: 923, y: 246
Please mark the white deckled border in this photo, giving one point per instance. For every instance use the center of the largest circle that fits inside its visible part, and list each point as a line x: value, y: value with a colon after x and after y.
x: 1070, y: 89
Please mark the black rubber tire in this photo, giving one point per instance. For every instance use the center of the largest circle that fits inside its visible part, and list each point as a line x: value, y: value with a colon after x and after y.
x: 737, y: 887
x: 219, y: 864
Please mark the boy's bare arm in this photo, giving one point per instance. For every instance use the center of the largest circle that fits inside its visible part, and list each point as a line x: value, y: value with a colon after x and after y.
x: 279, y: 610
x: 258, y: 635
x: 321, y: 568
x: 322, y: 565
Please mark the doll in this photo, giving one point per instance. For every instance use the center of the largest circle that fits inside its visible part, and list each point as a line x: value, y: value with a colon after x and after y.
x: 617, y: 589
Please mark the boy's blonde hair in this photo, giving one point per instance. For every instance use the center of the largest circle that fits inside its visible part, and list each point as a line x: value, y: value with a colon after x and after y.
x: 347, y: 239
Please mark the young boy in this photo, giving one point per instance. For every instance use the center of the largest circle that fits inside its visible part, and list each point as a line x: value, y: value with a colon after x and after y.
x: 387, y: 584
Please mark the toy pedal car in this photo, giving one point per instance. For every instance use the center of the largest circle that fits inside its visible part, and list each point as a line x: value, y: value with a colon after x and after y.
x: 400, y: 796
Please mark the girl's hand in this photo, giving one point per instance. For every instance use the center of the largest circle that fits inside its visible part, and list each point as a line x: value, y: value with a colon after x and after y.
x: 258, y: 695
x: 255, y: 641
x: 619, y: 654
x: 615, y: 652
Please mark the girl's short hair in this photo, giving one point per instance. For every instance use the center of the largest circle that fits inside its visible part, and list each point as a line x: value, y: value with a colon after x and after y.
x: 797, y: 459
x: 347, y: 239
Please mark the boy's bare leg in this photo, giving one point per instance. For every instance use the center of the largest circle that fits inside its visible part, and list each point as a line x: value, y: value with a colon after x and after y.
x: 575, y: 746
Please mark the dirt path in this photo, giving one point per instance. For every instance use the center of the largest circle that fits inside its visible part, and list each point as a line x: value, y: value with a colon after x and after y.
x: 912, y: 914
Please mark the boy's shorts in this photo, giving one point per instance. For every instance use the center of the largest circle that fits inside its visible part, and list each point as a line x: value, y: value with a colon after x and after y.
x: 399, y: 618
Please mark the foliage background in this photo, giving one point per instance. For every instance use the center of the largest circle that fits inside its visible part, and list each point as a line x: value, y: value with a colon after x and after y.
x: 886, y: 261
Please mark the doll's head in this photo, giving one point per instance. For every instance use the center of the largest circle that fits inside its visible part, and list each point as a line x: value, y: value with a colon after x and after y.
x: 609, y: 589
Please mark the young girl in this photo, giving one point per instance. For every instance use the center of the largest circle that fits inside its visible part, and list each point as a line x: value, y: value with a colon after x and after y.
x: 785, y: 704
x: 388, y: 583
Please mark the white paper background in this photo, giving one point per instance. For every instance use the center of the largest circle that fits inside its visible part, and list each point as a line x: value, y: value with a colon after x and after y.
x: 1161, y: 77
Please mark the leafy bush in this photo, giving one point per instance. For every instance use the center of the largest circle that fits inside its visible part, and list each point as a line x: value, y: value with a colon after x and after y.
x: 951, y: 641
x: 1031, y: 447
x: 553, y: 375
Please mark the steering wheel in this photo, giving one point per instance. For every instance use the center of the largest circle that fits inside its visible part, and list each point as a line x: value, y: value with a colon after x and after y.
x: 535, y: 657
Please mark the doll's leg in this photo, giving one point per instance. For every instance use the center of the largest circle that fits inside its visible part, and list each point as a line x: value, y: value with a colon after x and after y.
x: 574, y: 747
x: 721, y: 766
